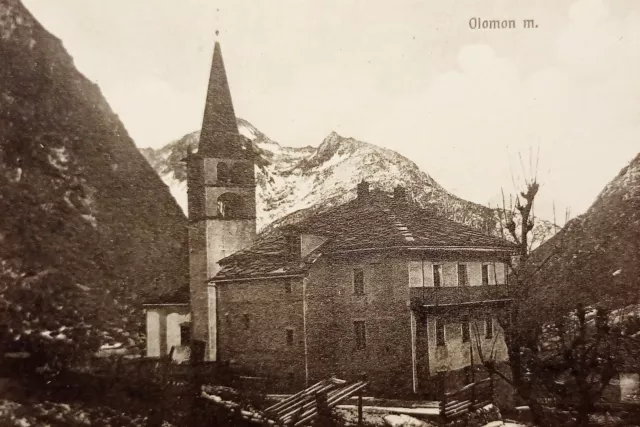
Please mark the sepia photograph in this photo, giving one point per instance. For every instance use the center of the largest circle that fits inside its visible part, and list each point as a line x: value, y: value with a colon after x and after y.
x: 292, y: 213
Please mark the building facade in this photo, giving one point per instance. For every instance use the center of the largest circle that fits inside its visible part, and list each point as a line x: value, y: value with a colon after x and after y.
x: 377, y: 286
x: 364, y: 289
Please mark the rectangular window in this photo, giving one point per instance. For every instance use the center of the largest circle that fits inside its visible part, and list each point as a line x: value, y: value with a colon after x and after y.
x: 289, y: 336
x: 466, y: 331
x: 185, y: 333
x: 488, y: 327
x: 485, y: 274
x: 440, y: 340
x: 287, y: 286
x: 360, y: 334
x: 358, y: 281
x: 463, y: 277
x: 437, y: 275
x: 247, y: 321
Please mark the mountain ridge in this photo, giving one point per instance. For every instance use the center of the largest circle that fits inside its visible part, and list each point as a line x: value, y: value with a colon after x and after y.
x: 295, y: 182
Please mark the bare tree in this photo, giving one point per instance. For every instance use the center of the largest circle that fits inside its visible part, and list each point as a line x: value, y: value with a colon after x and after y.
x: 521, y: 335
x: 571, y: 361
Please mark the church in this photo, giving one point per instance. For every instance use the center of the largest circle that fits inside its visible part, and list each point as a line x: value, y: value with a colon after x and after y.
x: 377, y: 286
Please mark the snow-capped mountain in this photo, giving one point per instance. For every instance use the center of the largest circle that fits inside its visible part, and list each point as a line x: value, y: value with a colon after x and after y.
x: 292, y: 182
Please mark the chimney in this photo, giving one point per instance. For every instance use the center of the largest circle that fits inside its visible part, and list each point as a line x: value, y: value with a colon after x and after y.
x: 363, y: 189
x: 399, y: 194
x: 293, y: 246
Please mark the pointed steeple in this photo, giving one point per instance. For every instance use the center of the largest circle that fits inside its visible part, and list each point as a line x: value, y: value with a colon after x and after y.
x: 219, y: 136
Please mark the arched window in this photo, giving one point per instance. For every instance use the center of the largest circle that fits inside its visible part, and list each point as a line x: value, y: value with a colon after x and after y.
x: 223, y: 172
x: 230, y: 205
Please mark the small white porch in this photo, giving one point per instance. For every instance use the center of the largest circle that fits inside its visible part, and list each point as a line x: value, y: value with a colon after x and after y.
x: 168, y: 325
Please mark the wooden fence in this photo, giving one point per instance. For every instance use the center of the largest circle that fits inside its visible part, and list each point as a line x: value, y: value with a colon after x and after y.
x: 467, y: 399
x: 302, y: 407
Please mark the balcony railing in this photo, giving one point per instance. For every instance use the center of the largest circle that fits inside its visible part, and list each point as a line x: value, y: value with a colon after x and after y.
x: 459, y: 295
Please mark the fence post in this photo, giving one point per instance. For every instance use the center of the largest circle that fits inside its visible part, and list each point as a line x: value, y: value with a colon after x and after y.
x: 323, y: 413
x: 443, y: 396
x: 360, y: 408
x: 362, y: 378
x: 491, y: 387
x: 473, y: 394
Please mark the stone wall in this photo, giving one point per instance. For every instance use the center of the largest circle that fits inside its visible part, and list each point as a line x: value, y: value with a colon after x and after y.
x: 254, y: 317
x: 386, y: 359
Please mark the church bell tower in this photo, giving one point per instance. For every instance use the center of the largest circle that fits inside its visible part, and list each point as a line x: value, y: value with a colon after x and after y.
x: 221, y: 197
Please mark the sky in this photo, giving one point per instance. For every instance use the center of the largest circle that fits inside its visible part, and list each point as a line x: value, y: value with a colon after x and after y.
x: 476, y: 109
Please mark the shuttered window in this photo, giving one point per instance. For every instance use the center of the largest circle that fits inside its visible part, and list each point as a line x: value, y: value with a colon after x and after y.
x: 485, y: 274
x: 466, y: 332
x: 437, y: 275
x: 358, y: 281
x: 488, y: 331
x: 463, y: 275
x: 360, y: 334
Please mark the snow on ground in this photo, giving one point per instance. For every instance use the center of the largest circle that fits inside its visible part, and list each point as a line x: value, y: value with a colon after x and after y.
x: 15, y: 414
x: 404, y: 421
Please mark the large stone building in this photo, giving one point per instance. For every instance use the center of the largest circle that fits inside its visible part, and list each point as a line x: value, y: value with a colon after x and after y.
x: 377, y: 286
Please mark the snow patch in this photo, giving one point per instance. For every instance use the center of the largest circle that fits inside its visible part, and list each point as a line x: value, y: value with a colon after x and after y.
x: 59, y: 158
x: 247, y: 132
x: 90, y: 219
x: 177, y: 188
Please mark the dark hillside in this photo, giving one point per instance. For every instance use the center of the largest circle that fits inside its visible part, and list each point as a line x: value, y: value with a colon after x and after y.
x: 82, y: 210
x: 596, y: 258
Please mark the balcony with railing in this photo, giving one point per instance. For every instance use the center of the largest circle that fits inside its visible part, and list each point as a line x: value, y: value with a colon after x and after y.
x: 432, y: 298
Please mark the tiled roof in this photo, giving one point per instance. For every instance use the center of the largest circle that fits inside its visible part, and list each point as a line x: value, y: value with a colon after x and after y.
x: 267, y: 257
x: 178, y: 296
x: 375, y: 222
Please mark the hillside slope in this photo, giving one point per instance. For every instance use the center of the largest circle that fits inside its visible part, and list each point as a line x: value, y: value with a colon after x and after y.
x: 596, y: 258
x: 78, y: 200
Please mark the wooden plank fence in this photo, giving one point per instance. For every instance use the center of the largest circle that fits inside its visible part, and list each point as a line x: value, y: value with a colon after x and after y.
x: 467, y: 399
x: 299, y: 409
x: 304, y: 406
